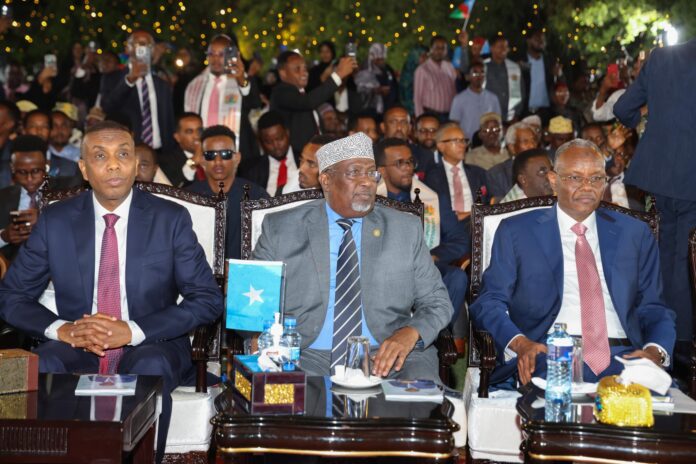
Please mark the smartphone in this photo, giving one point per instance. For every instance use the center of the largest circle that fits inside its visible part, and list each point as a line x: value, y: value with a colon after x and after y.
x: 14, y: 216
x: 50, y: 61
x: 351, y: 49
x: 143, y: 53
x: 231, y: 57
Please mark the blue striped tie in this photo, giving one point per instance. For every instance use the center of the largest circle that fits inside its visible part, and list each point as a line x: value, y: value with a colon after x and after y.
x: 348, y: 305
x: 146, y: 115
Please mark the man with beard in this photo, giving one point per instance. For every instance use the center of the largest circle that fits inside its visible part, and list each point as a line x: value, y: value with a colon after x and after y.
x: 426, y: 127
x: 447, y: 238
x: 356, y: 268
x: 220, y: 162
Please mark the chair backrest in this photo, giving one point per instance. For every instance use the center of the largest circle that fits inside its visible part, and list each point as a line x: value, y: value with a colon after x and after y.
x: 253, y: 212
x: 207, y: 214
x: 485, y: 220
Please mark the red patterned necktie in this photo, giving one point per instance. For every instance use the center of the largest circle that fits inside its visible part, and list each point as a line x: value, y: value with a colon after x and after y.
x: 595, y: 341
x: 109, y: 289
x: 282, y: 174
x: 458, y: 202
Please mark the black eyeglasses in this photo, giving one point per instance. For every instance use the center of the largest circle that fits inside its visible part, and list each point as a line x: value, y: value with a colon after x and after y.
x: 224, y: 154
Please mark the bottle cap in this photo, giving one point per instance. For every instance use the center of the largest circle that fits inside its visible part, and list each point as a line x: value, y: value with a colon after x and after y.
x: 290, y: 322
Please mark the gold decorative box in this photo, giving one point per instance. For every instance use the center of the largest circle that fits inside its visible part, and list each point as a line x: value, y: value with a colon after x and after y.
x: 258, y: 392
x: 19, y: 405
x: 19, y: 371
x: 623, y: 405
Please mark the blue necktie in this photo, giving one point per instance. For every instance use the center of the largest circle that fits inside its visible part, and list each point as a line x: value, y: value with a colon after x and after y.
x: 348, y: 305
x: 146, y: 115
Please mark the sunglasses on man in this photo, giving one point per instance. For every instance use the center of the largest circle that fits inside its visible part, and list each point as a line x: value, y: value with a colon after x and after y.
x: 224, y: 154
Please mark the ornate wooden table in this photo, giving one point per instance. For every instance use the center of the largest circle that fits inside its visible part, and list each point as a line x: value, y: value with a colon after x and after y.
x: 671, y: 440
x: 53, y: 425
x: 371, y: 427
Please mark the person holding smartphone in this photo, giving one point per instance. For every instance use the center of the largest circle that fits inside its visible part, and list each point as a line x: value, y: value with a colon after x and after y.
x: 18, y: 202
x: 139, y: 95
x: 223, y: 95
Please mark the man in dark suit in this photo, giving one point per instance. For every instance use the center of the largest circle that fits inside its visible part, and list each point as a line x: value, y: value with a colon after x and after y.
x: 540, y: 73
x: 84, y: 246
x: 142, y: 97
x: 448, y: 238
x: 179, y: 163
x: 383, y: 286
x: 28, y: 173
x: 461, y: 183
x: 575, y: 263
x: 277, y: 170
x: 296, y: 105
x: 664, y: 162
x: 9, y: 124
x: 518, y: 138
x: 220, y: 162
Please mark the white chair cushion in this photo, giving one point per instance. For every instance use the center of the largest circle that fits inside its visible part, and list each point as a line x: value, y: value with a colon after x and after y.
x: 190, y: 428
x: 258, y: 215
x: 493, y: 423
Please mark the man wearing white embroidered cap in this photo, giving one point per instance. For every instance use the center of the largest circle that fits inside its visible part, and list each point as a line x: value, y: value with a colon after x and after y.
x: 356, y: 268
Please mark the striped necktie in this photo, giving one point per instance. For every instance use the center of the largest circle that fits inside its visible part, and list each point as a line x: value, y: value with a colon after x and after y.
x: 348, y: 305
x: 145, y: 112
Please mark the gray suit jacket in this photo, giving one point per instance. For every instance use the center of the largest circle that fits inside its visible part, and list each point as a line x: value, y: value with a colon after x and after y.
x: 400, y: 284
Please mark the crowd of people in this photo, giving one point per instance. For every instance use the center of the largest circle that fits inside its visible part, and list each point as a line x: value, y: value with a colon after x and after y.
x: 478, y: 129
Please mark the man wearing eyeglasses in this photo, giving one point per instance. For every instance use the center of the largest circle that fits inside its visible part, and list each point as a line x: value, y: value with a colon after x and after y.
x: 220, y: 162
x: 18, y: 202
x: 491, y: 152
x: 356, y: 268
x: 594, y: 269
x: 448, y: 239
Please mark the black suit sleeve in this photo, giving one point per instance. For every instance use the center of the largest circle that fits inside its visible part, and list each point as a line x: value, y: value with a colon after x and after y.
x: 289, y: 98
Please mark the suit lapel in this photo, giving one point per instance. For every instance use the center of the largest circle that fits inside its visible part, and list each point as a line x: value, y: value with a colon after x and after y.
x: 370, y: 251
x: 549, y: 240
x: 140, y: 219
x: 317, y: 235
x: 608, y: 233
x: 83, y: 230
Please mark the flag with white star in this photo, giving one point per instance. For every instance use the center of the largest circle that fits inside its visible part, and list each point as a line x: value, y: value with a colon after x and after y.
x: 254, y: 293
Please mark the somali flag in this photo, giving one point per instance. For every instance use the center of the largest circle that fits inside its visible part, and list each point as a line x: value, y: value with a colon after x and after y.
x: 463, y: 11
x: 254, y: 293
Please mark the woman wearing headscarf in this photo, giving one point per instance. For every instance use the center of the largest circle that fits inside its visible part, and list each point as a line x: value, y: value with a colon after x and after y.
x: 376, y: 82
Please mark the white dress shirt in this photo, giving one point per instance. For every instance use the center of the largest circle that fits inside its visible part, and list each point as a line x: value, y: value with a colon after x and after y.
x: 187, y: 169
x: 274, y: 168
x: 121, y: 228
x: 156, y: 137
x: 468, y: 198
x: 222, y: 84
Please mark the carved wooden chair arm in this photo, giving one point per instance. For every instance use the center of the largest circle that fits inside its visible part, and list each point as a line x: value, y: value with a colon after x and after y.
x: 204, y: 342
x: 486, y: 348
x: 446, y: 349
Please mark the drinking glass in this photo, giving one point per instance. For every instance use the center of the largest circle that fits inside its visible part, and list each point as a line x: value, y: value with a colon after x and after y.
x: 358, y: 355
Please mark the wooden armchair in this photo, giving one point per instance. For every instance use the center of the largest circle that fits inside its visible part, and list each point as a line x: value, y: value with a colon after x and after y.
x: 484, y: 222
x: 253, y: 212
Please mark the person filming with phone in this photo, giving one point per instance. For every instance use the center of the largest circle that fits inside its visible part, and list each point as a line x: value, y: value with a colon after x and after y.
x: 140, y: 96
x: 223, y: 95
x: 18, y: 202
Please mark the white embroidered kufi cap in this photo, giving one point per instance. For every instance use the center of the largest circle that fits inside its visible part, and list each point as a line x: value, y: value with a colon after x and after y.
x: 354, y: 146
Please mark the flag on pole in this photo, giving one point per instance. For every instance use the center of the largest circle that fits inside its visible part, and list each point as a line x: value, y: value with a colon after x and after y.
x: 254, y: 293
x: 463, y: 11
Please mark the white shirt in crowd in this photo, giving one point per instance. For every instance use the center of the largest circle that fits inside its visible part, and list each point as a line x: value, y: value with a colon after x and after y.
x: 468, y: 198
x: 293, y: 174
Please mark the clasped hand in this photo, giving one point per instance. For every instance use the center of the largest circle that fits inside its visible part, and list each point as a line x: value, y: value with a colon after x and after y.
x: 394, y: 350
x: 96, y: 333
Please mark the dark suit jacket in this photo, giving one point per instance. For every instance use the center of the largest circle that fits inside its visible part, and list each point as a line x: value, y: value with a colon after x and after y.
x: 256, y: 169
x: 522, y: 288
x: 526, y: 69
x: 119, y: 97
x: 171, y: 164
x: 664, y: 162
x: 297, y: 109
x: 163, y: 261
x: 499, y: 179
x: 67, y: 170
x: 436, y: 179
x: 9, y: 201
x: 233, y: 232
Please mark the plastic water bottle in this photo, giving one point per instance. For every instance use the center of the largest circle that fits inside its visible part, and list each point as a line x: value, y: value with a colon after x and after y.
x: 559, y: 374
x: 266, y: 339
x: 291, y: 342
